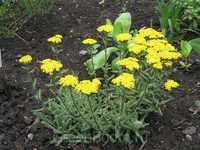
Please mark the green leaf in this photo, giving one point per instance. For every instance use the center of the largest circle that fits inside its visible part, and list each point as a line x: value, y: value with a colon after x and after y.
x: 197, y: 104
x: 122, y: 24
x: 99, y: 59
x: 186, y: 48
x: 108, y: 22
x: 114, y: 66
x: 195, y: 43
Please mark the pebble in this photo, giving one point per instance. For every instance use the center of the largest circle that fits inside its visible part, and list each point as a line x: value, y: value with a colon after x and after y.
x: 188, y: 137
x: 28, y: 120
x: 30, y: 136
x: 190, y: 130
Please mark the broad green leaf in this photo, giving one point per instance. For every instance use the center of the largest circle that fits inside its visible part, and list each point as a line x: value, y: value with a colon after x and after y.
x: 186, y: 48
x: 99, y: 59
x: 195, y: 43
x: 122, y: 24
x: 114, y: 66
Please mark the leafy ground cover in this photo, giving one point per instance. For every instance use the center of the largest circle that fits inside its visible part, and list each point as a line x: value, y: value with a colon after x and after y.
x: 177, y: 129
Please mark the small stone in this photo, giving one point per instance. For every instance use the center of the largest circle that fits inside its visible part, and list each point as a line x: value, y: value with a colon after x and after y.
x: 188, y: 137
x: 28, y: 120
x: 30, y: 136
x: 190, y: 130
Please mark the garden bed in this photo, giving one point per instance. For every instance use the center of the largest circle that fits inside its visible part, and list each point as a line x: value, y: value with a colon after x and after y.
x: 76, y: 19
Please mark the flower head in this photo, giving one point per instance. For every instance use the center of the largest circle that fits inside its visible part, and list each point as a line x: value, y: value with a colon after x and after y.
x: 88, y: 87
x: 150, y: 33
x: 171, y: 84
x: 89, y: 41
x: 105, y: 28
x: 136, y: 48
x: 122, y: 37
x: 139, y: 39
x: 129, y: 63
x: 125, y: 80
x: 25, y: 59
x: 49, y: 66
x: 68, y: 81
x: 56, y: 39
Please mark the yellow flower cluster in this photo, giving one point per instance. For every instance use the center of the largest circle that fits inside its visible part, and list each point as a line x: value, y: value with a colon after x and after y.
x: 105, y: 28
x: 136, y: 48
x: 159, y: 52
x: 125, y: 80
x: 88, y: 87
x: 25, y: 59
x: 56, y: 39
x: 129, y: 63
x: 89, y: 41
x: 122, y: 37
x: 171, y: 84
x: 68, y: 80
x: 49, y: 66
x: 85, y: 86
x: 139, y: 39
x: 150, y: 33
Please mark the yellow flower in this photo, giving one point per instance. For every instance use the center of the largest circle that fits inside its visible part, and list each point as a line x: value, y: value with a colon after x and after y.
x: 123, y: 37
x: 125, y: 80
x: 88, y: 87
x: 59, y: 36
x: 158, y: 66
x: 150, y: 33
x: 56, y: 39
x: 129, y: 63
x: 105, y: 28
x: 49, y: 66
x: 89, y: 41
x: 168, y: 63
x: 25, y: 59
x: 138, y: 39
x: 152, y: 58
x: 68, y: 80
x: 97, y: 82
x: 135, y: 48
x: 171, y: 84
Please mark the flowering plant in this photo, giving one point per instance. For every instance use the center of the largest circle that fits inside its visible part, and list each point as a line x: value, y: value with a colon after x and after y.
x: 112, y: 108
x: 56, y: 43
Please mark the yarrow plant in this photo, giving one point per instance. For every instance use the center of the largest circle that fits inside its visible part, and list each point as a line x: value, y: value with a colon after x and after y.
x: 113, y: 107
x: 56, y: 43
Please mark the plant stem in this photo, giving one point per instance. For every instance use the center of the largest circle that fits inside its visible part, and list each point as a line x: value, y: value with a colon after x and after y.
x: 105, y: 41
x: 75, y: 105
x: 0, y: 59
x: 122, y: 94
x: 90, y: 105
x: 91, y: 55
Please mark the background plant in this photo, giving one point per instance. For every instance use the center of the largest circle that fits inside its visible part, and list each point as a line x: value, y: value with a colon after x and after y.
x: 13, y: 14
x: 187, y: 47
x: 190, y: 12
x: 169, y: 17
x: 178, y: 17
